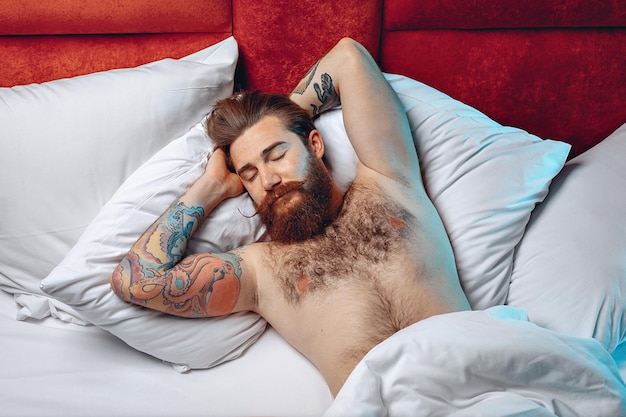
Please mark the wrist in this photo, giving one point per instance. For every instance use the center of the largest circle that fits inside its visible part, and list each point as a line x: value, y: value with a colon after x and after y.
x: 205, y: 193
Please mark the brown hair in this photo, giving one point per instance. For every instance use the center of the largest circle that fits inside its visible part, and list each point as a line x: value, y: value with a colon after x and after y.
x: 232, y: 116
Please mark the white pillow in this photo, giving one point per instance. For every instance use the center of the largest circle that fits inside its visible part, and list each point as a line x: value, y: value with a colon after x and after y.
x: 82, y: 279
x: 569, y: 269
x: 484, y: 179
x: 67, y: 145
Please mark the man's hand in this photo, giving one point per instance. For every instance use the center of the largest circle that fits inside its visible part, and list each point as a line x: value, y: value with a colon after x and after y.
x: 217, y: 170
x: 215, y: 185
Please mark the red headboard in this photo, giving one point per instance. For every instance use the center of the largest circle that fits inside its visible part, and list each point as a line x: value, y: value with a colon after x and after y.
x: 553, y: 68
x: 55, y: 39
x: 280, y: 40
x: 557, y: 70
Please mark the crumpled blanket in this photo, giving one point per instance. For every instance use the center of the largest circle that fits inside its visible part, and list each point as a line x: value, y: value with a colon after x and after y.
x: 483, y: 363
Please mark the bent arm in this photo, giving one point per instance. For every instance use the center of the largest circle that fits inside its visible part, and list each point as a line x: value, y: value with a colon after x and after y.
x: 374, y: 117
x: 155, y: 272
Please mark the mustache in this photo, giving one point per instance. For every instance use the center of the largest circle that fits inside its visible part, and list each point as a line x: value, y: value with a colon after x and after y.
x: 272, y: 196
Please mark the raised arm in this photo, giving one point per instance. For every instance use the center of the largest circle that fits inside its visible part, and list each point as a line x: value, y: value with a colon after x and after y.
x: 156, y: 274
x: 373, y: 115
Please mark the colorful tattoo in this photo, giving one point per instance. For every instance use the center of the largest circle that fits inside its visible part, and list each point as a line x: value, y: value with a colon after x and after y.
x: 199, y: 286
x: 164, y: 244
x: 154, y: 273
x: 181, y: 221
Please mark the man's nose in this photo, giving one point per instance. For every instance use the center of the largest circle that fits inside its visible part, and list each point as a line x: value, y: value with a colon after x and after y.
x: 269, y: 179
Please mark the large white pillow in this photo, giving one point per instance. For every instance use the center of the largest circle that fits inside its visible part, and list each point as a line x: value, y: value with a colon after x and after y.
x: 484, y: 179
x: 82, y: 279
x: 569, y: 269
x: 67, y: 145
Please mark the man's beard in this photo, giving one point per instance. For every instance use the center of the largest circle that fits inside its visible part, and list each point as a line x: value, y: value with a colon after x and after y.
x: 304, y: 215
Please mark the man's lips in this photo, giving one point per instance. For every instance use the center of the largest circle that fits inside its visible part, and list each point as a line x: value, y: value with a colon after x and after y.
x: 283, y: 195
x: 284, y: 198
x: 282, y: 192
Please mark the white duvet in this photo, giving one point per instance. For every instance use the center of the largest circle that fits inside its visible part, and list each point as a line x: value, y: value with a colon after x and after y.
x: 483, y: 363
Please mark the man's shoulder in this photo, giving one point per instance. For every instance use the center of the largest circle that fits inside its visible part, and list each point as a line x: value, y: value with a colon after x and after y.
x: 250, y: 252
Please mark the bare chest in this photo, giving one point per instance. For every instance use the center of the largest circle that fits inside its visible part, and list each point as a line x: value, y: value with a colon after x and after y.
x: 368, y: 275
x: 369, y: 238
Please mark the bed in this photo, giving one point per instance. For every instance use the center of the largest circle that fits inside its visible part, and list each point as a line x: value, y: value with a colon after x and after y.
x: 518, y: 116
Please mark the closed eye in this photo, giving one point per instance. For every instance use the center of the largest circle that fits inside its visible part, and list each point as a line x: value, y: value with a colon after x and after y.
x: 274, y: 152
x: 248, y: 174
x: 276, y: 156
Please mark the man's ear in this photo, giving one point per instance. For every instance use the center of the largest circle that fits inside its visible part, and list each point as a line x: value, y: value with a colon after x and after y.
x: 316, y: 142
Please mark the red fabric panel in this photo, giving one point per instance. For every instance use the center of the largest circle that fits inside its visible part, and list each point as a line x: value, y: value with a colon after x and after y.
x: 34, y: 59
x: 25, y: 17
x: 559, y: 84
x: 280, y: 40
x: 481, y: 14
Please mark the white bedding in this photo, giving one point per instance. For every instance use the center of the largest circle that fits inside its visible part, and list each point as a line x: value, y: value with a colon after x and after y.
x: 54, y: 368
x: 51, y: 368
x: 483, y: 363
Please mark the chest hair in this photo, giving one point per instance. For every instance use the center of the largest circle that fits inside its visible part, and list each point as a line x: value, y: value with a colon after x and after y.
x: 368, y: 232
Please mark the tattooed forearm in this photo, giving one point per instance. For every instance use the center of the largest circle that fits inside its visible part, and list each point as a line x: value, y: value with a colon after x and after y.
x: 326, y: 94
x: 154, y: 273
x: 164, y: 244
x: 181, y: 222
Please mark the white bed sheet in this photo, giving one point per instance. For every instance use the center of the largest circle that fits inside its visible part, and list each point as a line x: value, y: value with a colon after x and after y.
x: 54, y: 368
x: 57, y: 369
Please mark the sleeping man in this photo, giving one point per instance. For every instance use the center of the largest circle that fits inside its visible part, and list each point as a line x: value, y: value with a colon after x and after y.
x: 344, y: 271
x: 363, y: 283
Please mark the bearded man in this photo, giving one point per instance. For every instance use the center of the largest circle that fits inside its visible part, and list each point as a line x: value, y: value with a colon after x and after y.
x: 344, y: 271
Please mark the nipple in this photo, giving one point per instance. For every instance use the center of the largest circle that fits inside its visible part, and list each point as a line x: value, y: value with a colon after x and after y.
x: 397, y: 223
x: 303, y: 283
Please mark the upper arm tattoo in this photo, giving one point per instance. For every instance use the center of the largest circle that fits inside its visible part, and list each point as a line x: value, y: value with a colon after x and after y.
x: 306, y: 80
x: 326, y: 94
x: 202, y: 285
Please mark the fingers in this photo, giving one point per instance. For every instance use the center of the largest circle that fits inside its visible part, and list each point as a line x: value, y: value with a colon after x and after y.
x: 218, y: 158
x: 217, y: 169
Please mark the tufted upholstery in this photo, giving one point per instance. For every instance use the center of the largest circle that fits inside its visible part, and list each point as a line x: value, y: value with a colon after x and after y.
x: 553, y: 69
